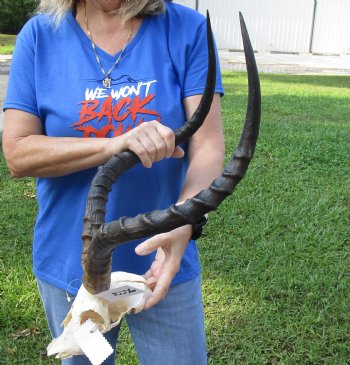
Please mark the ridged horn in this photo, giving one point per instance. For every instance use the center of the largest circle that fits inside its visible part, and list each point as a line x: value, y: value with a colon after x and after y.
x: 107, y: 175
x: 98, y: 260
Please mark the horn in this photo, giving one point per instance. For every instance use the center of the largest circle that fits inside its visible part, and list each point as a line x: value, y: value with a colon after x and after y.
x: 98, y: 258
x: 98, y: 261
x: 192, y: 125
x: 108, y: 173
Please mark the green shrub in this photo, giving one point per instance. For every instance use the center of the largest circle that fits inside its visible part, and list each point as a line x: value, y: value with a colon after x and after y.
x: 14, y: 13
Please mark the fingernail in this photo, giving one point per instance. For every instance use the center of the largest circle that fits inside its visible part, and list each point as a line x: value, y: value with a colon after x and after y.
x: 139, y: 250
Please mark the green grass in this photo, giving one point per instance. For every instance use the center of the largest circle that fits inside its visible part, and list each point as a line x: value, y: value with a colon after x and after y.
x: 7, y: 44
x: 275, y: 256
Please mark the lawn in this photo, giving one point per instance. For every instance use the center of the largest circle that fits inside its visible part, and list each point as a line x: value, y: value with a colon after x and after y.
x: 7, y: 44
x: 275, y: 256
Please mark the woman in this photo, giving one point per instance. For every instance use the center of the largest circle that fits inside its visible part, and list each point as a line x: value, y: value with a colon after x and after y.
x: 128, y: 72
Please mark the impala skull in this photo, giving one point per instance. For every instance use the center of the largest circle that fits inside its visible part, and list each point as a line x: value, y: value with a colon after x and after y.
x: 100, y: 239
x: 104, y: 314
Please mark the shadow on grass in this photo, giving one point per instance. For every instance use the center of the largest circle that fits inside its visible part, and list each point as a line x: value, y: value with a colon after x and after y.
x: 315, y: 80
x: 294, y: 104
x: 275, y: 263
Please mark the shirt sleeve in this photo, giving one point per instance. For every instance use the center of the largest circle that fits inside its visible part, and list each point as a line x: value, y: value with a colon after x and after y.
x: 188, y: 49
x: 21, y: 91
x: 197, y: 66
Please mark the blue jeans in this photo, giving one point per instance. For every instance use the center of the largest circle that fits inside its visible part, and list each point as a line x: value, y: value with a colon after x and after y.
x: 170, y: 333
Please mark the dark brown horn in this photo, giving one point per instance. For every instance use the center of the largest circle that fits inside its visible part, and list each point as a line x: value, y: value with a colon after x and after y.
x: 108, y: 173
x: 98, y: 261
x: 192, y: 125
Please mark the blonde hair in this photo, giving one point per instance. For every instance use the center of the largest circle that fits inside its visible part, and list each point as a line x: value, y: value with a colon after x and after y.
x: 129, y: 9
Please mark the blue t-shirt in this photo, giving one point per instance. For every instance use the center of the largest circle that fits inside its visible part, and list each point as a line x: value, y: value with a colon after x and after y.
x: 55, y: 75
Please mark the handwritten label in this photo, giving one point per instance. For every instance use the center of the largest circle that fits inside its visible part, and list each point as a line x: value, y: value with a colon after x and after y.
x: 115, y: 294
x: 92, y: 342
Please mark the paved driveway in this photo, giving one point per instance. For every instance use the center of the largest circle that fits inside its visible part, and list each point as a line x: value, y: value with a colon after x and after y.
x: 299, y: 64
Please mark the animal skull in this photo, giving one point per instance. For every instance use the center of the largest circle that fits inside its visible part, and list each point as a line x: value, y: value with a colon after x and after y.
x: 103, y: 313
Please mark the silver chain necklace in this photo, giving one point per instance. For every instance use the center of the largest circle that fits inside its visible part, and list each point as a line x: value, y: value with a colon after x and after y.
x: 107, y: 80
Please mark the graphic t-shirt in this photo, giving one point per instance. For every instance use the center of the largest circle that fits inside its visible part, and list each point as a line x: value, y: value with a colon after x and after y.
x: 55, y: 75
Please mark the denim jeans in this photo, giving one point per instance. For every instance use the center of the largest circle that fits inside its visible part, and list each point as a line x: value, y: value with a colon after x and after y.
x: 170, y: 333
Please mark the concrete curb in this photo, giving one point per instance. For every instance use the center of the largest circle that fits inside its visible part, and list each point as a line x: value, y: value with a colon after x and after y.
x: 296, y: 64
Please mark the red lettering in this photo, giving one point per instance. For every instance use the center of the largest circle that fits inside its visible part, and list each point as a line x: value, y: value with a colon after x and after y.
x: 87, y: 112
x: 125, y: 107
x: 118, y: 109
x: 99, y: 133
x: 118, y: 131
x: 106, y: 110
x: 137, y: 107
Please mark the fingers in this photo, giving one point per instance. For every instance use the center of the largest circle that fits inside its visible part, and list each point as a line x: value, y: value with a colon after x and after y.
x: 170, y: 248
x: 160, y: 290
x: 142, y: 149
x: 152, y: 142
x: 150, y: 245
x: 178, y: 153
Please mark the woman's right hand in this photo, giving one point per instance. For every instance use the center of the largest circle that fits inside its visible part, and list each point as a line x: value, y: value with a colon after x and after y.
x: 151, y: 142
x: 29, y: 152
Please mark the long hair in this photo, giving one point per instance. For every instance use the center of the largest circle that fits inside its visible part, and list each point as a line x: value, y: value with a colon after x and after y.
x: 129, y: 9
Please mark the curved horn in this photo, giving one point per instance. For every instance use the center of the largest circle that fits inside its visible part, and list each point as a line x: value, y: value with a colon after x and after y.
x: 108, y: 173
x: 98, y: 261
x: 192, y: 125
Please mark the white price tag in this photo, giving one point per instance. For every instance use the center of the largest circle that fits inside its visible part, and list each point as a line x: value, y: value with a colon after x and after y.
x: 92, y: 342
x: 115, y: 294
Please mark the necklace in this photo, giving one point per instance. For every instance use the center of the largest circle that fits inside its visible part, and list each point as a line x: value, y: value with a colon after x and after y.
x: 107, y: 80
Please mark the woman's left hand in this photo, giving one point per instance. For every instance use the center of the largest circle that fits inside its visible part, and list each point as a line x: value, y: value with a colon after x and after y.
x: 208, y: 141
x: 170, y: 249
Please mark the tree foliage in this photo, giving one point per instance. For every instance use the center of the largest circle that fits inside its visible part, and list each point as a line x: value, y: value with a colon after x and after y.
x: 14, y: 13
